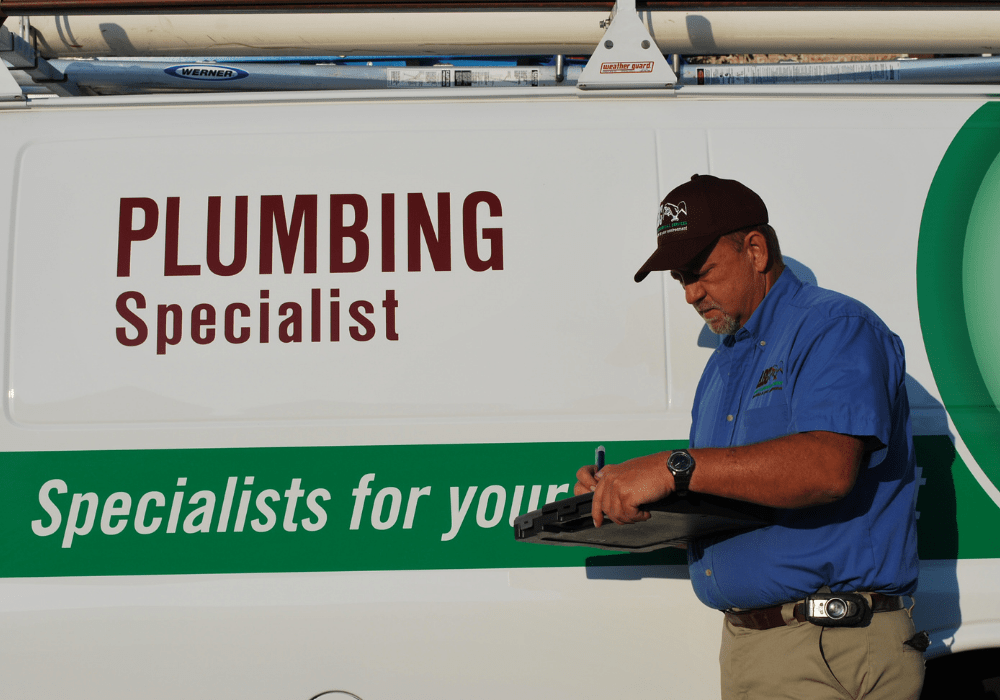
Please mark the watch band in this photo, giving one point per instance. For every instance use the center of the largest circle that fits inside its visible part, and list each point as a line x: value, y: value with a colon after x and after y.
x: 681, y: 466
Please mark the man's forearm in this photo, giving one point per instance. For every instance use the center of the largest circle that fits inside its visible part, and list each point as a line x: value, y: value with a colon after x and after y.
x: 795, y: 471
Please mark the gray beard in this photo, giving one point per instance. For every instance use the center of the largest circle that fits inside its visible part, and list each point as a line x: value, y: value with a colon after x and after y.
x: 726, y: 325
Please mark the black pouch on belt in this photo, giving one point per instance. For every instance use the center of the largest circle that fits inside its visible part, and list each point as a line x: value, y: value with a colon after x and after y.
x: 829, y: 609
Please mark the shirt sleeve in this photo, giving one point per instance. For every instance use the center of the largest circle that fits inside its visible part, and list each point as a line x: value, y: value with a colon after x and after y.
x: 847, y: 380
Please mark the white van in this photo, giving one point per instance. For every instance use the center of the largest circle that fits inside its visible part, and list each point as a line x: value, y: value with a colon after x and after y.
x: 281, y: 369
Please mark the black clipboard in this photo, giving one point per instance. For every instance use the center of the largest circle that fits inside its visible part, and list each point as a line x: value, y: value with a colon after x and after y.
x: 674, y: 520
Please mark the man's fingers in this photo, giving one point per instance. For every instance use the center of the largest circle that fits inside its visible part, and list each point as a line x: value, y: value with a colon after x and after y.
x: 618, y: 509
x: 620, y: 490
x: 611, y: 503
x: 596, y: 513
x: 613, y: 506
x: 597, y: 507
x: 613, y: 499
x: 585, y: 480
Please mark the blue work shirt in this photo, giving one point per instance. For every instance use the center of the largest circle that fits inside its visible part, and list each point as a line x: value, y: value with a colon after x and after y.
x: 811, y: 359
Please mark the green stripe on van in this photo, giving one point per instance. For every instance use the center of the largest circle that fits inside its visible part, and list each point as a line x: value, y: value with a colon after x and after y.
x: 426, y: 507
x: 299, y: 508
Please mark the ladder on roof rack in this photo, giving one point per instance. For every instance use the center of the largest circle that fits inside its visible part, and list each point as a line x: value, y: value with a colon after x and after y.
x: 626, y: 57
x: 173, y: 76
x: 135, y: 77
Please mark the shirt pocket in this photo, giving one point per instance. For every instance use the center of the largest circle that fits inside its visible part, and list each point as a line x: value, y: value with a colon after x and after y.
x: 766, y: 423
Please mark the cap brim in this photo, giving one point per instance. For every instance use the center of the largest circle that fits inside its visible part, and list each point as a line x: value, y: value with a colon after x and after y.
x: 674, y: 255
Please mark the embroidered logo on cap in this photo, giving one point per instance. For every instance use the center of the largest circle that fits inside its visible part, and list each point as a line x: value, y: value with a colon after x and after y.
x: 670, y: 218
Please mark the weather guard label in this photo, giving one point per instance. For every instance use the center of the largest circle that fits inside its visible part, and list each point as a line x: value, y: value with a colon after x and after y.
x: 627, y: 67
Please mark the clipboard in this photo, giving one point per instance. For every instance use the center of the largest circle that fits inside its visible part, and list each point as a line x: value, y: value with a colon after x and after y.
x: 673, y: 520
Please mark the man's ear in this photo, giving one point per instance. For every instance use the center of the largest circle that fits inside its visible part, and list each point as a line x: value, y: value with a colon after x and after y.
x: 755, y: 245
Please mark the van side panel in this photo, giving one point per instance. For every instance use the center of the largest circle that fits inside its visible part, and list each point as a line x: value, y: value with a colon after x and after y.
x: 279, y: 375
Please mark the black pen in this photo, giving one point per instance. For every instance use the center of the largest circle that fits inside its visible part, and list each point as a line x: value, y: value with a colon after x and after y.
x: 599, y: 458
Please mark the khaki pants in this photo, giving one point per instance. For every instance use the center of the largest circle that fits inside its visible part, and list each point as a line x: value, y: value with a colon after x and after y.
x: 803, y: 661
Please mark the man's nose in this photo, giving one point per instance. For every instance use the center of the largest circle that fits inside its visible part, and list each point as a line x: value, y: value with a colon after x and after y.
x: 693, y: 292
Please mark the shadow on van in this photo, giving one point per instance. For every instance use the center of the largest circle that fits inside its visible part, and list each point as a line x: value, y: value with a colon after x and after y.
x: 667, y: 563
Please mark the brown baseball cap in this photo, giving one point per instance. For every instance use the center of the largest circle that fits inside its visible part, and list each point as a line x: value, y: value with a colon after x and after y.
x: 694, y: 215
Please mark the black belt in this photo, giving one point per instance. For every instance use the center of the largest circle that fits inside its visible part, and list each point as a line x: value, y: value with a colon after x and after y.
x: 768, y: 618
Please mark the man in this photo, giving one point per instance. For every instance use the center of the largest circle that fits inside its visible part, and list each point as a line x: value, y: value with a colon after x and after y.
x: 802, y: 408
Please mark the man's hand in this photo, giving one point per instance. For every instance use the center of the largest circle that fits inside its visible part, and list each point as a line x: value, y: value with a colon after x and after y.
x: 619, y: 489
x: 585, y: 480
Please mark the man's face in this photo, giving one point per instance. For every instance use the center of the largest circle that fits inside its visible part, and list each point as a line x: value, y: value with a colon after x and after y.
x: 723, y: 285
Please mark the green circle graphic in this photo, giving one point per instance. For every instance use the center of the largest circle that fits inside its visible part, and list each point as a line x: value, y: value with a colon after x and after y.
x: 958, y: 287
x: 981, y: 281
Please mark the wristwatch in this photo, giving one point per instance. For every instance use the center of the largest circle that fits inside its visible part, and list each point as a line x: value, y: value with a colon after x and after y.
x: 681, y: 465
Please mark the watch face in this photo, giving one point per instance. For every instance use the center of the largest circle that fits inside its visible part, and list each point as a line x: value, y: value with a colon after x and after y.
x: 680, y: 462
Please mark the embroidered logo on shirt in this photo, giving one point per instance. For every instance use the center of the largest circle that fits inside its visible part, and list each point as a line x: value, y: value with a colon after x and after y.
x: 769, y: 380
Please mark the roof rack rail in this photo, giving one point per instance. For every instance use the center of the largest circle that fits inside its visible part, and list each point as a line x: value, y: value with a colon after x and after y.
x: 546, y: 27
x: 625, y: 56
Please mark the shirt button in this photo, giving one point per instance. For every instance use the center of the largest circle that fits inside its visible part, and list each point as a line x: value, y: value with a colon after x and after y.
x: 708, y: 572
x: 763, y: 343
x: 729, y: 418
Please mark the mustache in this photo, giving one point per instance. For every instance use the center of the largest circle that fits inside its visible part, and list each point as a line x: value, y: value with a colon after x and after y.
x: 708, y: 306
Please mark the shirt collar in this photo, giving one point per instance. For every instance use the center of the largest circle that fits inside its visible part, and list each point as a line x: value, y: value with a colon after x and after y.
x: 785, y: 287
